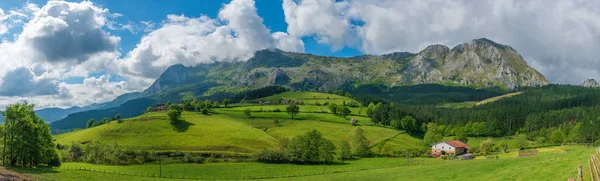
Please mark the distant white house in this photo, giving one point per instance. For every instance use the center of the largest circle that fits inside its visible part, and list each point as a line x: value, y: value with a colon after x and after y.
x: 451, y: 146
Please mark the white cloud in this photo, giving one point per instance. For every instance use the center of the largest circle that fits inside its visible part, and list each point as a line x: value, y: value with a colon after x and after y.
x: 66, y: 32
x: 235, y: 36
x: 556, y: 37
x: 59, y: 40
x: 64, y: 39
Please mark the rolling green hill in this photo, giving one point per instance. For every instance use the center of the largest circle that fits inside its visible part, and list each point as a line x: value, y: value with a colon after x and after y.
x: 229, y: 131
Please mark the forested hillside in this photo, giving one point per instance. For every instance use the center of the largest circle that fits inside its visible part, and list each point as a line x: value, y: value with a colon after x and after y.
x: 536, y: 112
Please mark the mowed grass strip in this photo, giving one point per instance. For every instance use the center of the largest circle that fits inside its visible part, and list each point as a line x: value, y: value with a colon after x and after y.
x: 197, y: 132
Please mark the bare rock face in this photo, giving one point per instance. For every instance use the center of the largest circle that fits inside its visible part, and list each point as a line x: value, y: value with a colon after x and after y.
x: 478, y: 63
x: 590, y: 83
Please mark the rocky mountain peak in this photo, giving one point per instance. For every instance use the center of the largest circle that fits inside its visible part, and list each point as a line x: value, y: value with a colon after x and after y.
x: 590, y: 83
x: 174, y: 75
x: 435, y: 51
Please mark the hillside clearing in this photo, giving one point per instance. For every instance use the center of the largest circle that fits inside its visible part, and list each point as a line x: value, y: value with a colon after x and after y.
x: 497, y: 98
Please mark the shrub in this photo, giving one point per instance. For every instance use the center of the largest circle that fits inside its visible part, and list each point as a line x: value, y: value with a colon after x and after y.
x: 247, y: 113
x: 205, y: 111
x: 276, y: 110
x: 174, y: 115
x: 272, y: 156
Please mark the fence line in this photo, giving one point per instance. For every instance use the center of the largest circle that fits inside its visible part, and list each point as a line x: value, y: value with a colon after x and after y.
x: 227, y: 177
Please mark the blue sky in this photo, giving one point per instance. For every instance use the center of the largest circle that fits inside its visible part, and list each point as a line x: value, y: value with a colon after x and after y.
x: 157, y: 10
x: 83, y: 52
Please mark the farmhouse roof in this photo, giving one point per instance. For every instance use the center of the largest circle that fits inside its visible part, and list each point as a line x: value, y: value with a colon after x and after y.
x: 457, y: 144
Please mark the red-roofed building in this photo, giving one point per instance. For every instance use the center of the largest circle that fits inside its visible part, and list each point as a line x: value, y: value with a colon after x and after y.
x: 450, y: 146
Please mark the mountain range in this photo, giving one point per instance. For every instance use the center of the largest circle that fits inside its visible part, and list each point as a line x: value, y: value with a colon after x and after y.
x: 480, y: 63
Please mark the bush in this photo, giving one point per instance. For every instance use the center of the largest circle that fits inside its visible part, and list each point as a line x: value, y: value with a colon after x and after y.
x: 174, y: 115
x: 247, y: 113
x: 272, y: 156
x: 276, y: 110
x: 205, y: 111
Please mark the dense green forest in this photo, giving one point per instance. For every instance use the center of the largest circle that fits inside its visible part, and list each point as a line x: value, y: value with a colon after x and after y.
x: 424, y: 94
x: 537, y: 112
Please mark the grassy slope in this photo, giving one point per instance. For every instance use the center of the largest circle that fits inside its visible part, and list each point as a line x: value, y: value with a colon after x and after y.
x: 558, y: 163
x: 230, y: 131
x: 198, y: 132
x: 546, y: 166
x: 310, y: 97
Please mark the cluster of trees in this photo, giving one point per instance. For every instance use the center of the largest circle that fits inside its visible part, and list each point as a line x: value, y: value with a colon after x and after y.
x: 26, y: 138
x: 339, y: 110
x: 408, y: 123
x: 93, y: 123
x: 340, y: 92
x: 312, y: 148
x: 98, y: 153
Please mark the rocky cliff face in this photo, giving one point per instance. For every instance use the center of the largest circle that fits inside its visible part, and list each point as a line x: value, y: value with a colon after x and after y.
x: 590, y: 83
x: 479, y: 63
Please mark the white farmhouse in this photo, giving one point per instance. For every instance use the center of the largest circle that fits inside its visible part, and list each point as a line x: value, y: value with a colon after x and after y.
x: 452, y: 146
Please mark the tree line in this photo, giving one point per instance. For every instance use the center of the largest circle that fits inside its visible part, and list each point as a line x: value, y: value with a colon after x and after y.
x: 312, y: 148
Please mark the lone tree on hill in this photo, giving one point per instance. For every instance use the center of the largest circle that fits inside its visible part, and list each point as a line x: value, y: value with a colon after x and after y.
x: 292, y: 109
x: 174, y: 113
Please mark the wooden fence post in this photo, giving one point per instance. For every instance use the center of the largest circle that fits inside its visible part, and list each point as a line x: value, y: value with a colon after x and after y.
x: 591, y: 173
x: 579, y: 173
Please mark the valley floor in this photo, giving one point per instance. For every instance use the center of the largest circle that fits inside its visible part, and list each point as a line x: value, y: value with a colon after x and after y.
x: 556, y: 163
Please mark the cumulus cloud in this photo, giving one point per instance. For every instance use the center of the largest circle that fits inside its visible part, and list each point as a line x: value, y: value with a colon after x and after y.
x: 59, y: 40
x: 65, y: 31
x: 234, y: 36
x: 555, y: 37
x: 66, y: 39
x: 22, y: 82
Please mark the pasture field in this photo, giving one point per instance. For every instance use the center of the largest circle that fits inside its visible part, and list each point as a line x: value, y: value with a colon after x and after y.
x: 556, y: 163
x: 310, y: 97
x: 198, y: 132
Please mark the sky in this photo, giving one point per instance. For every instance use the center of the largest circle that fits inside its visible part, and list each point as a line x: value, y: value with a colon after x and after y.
x: 75, y: 53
